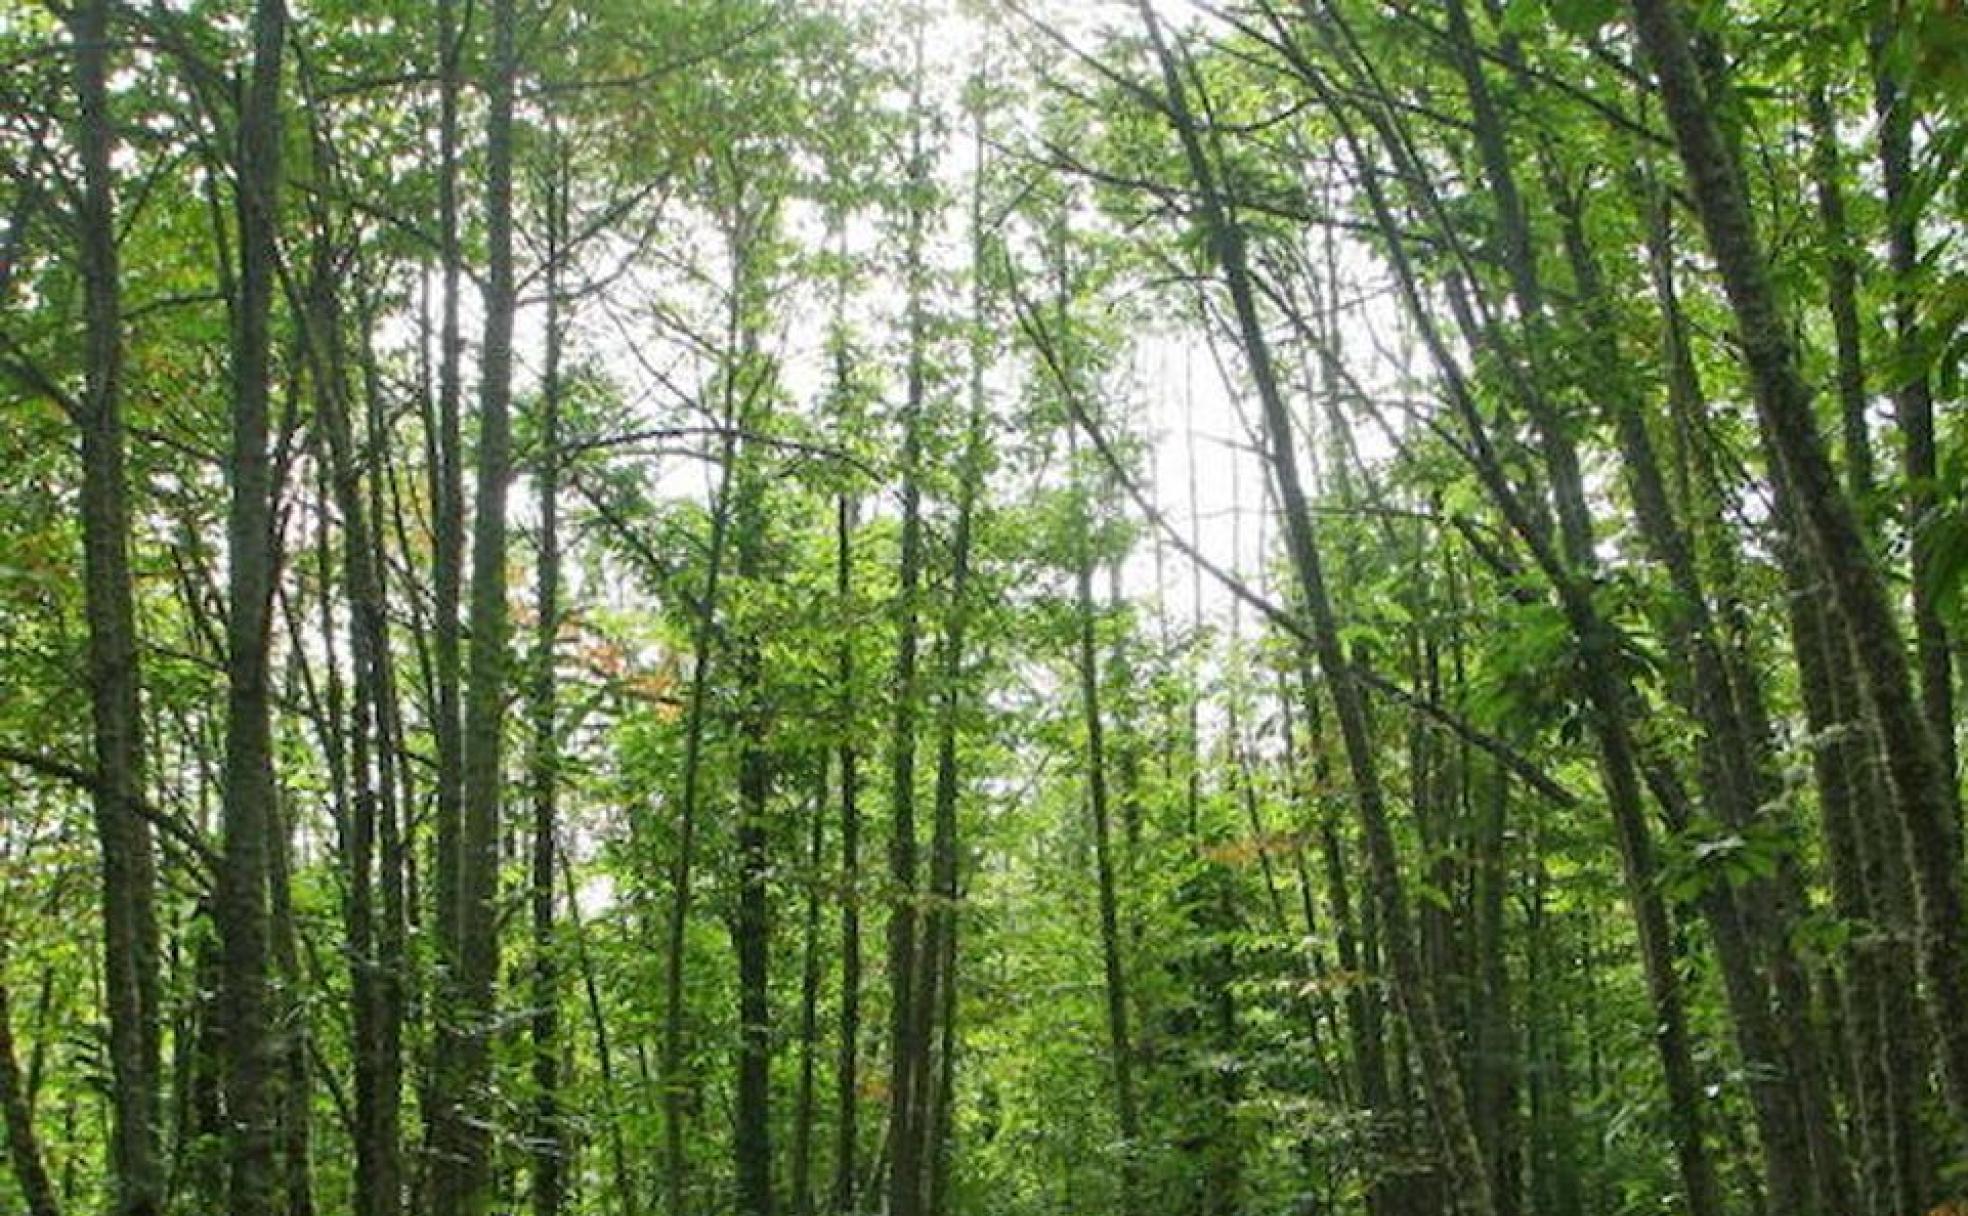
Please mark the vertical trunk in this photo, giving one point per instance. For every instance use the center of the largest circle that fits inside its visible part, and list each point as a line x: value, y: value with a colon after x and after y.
x: 847, y: 1065
x: 1496, y: 1069
x: 252, y: 1060
x: 549, y: 1146
x: 626, y: 1196
x: 465, y: 1181
x: 1445, y: 1098
x: 445, y: 467
x: 1921, y: 799
x: 905, y: 1050
x: 393, y: 791
x: 809, y: 1020
x: 1842, y: 294
x: 1120, y: 1044
x: 939, y: 947
x: 296, y: 1093
x: 751, y: 928
x: 1913, y: 405
x: 128, y: 865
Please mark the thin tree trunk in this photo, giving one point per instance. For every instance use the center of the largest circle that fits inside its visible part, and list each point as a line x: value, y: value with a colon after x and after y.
x: 847, y: 1065
x: 295, y: 1092
x: 1913, y: 404
x: 683, y: 861
x: 1841, y: 292
x: 809, y: 1009
x: 938, y: 998
x: 445, y: 465
x: 1127, y: 1114
x: 549, y: 1146
x: 752, y: 927
x: 906, y: 1059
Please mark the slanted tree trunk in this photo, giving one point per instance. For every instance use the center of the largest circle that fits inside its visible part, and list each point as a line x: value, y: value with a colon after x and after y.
x: 1841, y: 295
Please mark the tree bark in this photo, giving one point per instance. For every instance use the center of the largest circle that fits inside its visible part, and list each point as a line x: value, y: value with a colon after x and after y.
x: 464, y: 1178
x: 847, y: 1065
x: 906, y: 1058
x: 550, y: 1147
x: 127, y: 860
x: 252, y: 1060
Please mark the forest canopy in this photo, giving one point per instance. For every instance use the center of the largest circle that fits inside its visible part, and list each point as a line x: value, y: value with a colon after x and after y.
x: 983, y: 607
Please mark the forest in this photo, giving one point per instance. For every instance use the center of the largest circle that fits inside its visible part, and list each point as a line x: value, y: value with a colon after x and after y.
x: 983, y: 607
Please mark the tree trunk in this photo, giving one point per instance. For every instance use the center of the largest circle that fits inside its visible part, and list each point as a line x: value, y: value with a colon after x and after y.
x: 1127, y: 1116
x: 128, y: 865
x: 465, y: 1181
x: 549, y: 1146
x: 809, y: 1016
x: 906, y: 1059
x: 252, y: 1060
x: 1913, y: 404
x: 445, y: 464
x: 752, y: 926
x: 847, y: 1065
x: 683, y: 861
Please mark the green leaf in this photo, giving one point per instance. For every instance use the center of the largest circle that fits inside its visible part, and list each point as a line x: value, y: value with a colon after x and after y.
x: 1583, y: 18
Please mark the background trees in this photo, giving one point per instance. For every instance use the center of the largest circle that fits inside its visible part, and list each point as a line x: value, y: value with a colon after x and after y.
x: 1343, y: 606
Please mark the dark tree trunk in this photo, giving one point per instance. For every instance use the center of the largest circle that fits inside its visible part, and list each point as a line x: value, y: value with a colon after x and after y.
x: 252, y: 1062
x: 128, y: 864
x: 550, y: 1147
x: 752, y: 926
x: 464, y: 1178
x: 847, y: 1065
x: 1127, y: 1115
x: 1913, y: 405
x: 801, y: 1182
x: 906, y: 1057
